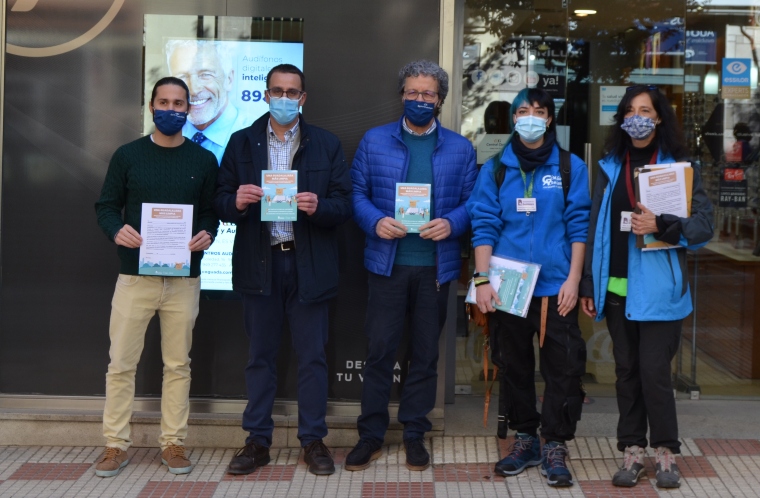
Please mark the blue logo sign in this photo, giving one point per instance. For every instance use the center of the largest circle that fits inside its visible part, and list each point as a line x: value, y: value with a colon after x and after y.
x: 736, y: 72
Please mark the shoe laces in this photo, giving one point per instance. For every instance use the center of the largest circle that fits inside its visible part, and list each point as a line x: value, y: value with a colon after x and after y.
x: 555, y: 455
x: 248, y: 450
x: 176, y: 450
x: 521, y: 444
x: 632, y: 455
x: 317, y: 448
x: 665, y: 458
x: 110, y: 453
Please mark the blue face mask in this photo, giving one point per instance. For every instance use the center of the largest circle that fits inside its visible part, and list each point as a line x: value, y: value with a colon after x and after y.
x: 283, y: 110
x: 530, y: 128
x: 638, y: 127
x: 419, y: 113
x: 169, y: 122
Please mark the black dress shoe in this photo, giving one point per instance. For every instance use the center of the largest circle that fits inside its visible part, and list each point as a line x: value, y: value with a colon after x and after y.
x: 417, y: 457
x: 318, y: 458
x: 248, y: 458
x: 362, y: 455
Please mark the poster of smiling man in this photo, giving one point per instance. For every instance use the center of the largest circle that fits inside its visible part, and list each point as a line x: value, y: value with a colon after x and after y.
x: 225, y: 71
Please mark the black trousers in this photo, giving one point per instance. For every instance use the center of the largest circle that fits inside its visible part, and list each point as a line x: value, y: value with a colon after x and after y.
x: 563, y: 363
x: 643, y: 354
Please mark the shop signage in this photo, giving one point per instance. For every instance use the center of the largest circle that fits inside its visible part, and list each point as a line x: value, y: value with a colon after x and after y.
x: 736, y: 78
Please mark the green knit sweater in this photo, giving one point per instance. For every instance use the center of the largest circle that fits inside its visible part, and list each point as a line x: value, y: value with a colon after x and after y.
x: 142, y: 171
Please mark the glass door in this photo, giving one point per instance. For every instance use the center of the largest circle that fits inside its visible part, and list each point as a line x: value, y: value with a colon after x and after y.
x: 703, y: 54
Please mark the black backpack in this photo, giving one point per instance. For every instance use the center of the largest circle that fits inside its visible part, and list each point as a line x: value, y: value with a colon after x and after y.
x: 564, y: 171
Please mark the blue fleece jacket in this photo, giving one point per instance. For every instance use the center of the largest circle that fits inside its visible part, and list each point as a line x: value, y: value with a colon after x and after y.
x: 545, y: 236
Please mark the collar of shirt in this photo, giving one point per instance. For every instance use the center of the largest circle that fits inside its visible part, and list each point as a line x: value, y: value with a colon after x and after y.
x: 217, y: 131
x: 289, y: 135
x: 424, y: 133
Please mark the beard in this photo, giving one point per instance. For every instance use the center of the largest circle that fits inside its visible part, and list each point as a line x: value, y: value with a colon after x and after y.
x: 209, y: 109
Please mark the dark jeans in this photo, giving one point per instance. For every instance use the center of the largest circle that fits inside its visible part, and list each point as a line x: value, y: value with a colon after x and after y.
x: 264, y: 317
x: 643, y: 353
x: 413, y: 288
x: 563, y: 363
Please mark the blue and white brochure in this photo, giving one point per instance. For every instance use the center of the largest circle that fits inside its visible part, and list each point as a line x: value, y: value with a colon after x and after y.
x: 514, y: 281
x: 279, y: 200
x: 413, y: 205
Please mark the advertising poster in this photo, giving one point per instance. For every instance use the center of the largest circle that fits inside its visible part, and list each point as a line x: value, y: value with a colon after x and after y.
x: 733, y: 188
x: 413, y: 205
x: 227, y: 81
x: 736, y: 78
x: 279, y: 200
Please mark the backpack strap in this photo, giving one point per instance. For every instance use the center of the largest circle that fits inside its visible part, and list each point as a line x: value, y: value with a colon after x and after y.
x: 564, y: 171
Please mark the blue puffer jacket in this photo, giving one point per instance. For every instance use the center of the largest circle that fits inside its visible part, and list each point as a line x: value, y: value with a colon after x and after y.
x: 544, y: 237
x: 382, y: 161
x: 658, y: 283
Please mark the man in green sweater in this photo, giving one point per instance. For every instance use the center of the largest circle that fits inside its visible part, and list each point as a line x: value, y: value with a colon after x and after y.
x: 162, y: 168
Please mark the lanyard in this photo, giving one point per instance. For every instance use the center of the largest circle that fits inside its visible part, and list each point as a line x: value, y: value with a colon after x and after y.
x: 528, y: 189
x: 628, y: 175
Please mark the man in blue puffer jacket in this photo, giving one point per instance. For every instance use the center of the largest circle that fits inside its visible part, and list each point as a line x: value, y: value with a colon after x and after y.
x: 408, y: 270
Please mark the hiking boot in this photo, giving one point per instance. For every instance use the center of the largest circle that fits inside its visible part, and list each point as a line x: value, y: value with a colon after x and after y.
x: 417, y: 457
x: 248, y: 458
x: 667, y: 474
x: 174, y: 458
x: 526, y: 452
x: 633, y: 468
x: 111, y: 461
x: 553, y: 465
x: 319, y: 459
x: 362, y: 455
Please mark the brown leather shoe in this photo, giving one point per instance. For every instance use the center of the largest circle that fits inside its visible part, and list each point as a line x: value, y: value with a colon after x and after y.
x: 248, y: 458
x: 174, y: 458
x: 318, y: 458
x: 110, y: 462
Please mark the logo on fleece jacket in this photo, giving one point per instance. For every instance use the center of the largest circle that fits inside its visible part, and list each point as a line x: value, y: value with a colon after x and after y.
x: 552, y: 181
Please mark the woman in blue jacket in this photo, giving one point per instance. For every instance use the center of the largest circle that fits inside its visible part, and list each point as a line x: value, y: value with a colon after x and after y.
x: 643, y: 294
x: 519, y: 210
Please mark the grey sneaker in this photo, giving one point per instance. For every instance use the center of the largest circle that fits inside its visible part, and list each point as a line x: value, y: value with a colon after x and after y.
x: 667, y: 475
x: 633, y: 468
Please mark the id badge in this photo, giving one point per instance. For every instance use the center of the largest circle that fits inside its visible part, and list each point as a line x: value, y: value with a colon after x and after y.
x: 625, y: 221
x: 526, y: 205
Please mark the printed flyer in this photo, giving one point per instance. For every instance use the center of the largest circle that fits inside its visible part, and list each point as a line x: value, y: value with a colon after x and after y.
x: 166, y: 230
x: 413, y: 205
x: 514, y: 281
x: 279, y: 200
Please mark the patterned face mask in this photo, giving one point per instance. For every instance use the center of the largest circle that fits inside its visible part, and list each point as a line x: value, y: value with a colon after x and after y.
x: 638, y: 127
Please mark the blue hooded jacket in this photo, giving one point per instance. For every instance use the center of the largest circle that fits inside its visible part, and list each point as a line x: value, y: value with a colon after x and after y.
x: 658, y: 284
x: 382, y: 161
x: 544, y: 237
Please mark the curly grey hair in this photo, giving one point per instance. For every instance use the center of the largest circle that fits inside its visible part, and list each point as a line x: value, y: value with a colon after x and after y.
x: 424, y: 67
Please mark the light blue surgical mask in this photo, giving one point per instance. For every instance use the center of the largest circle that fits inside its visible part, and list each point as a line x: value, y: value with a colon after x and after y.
x: 530, y: 128
x: 638, y: 127
x: 283, y: 110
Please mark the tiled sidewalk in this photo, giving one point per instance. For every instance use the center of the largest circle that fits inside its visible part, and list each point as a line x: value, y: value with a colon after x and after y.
x: 462, y: 467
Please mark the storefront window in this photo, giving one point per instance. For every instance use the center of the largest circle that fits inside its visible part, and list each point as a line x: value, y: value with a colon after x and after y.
x: 585, y: 53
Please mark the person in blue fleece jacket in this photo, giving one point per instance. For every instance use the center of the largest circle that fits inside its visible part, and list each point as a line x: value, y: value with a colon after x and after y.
x: 527, y: 216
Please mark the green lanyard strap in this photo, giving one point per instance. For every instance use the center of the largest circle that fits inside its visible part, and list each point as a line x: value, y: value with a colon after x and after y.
x: 528, y: 189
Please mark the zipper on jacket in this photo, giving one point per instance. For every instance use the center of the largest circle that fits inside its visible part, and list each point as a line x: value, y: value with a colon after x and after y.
x: 437, y: 286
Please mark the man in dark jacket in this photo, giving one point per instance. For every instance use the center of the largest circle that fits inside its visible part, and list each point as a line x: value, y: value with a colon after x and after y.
x: 408, y: 269
x: 285, y: 268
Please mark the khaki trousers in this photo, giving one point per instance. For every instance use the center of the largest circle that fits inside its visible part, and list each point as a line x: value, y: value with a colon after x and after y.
x: 134, y: 303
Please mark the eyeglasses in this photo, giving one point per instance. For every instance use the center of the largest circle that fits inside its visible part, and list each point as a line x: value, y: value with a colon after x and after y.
x: 646, y: 87
x: 292, y: 94
x: 427, y: 95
